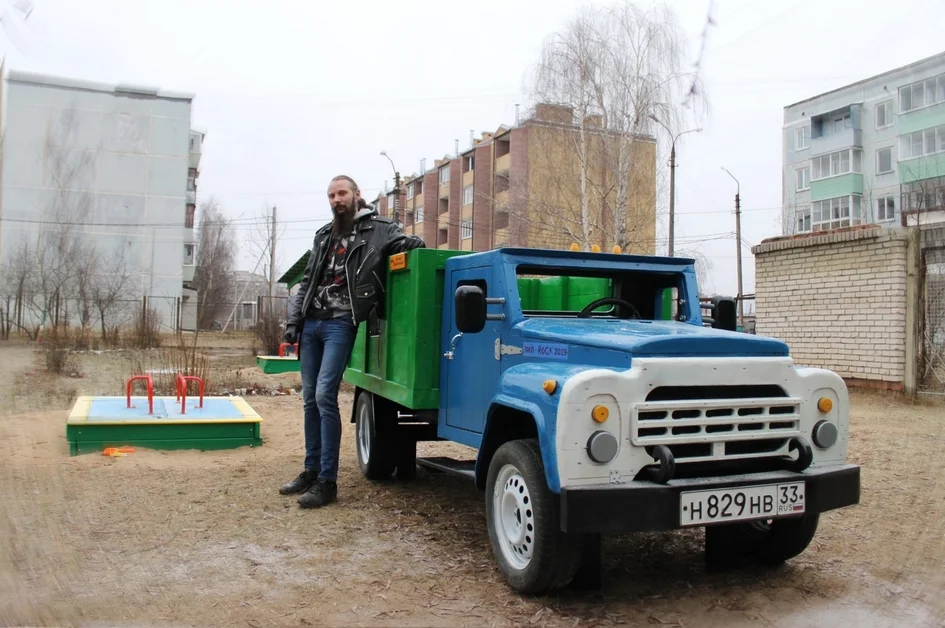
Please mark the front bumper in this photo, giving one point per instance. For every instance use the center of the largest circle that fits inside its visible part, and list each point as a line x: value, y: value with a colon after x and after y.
x: 646, y: 506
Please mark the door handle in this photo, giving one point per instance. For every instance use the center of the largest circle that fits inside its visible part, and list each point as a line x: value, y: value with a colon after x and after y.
x: 449, y: 354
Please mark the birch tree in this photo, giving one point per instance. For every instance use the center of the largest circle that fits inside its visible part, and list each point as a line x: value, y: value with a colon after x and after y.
x: 617, y: 68
x: 216, y: 260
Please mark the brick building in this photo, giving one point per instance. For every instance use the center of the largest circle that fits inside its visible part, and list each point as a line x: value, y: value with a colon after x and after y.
x: 521, y: 186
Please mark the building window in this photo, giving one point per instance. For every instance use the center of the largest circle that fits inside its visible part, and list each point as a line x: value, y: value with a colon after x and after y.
x: 884, y: 161
x: 803, y: 219
x: 419, y: 214
x: 466, y: 228
x: 884, y: 114
x: 835, y: 213
x: 923, y: 195
x: 468, y: 163
x: 802, y: 137
x: 803, y: 179
x: 444, y: 175
x: 468, y: 195
x: 921, y: 143
x: 835, y: 164
x: 842, y: 122
x: 922, y: 94
x: 409, y: 192
x: 189, y: 216
x: 189, y: 254
x: 390, y: 201
x: 885, y: 208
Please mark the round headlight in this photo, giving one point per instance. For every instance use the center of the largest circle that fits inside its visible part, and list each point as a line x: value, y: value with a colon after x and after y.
x: 602, y: 446
x: 825, y: 434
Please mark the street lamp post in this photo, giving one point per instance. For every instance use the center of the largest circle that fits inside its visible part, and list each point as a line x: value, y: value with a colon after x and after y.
x: 672, y: 183
x: 395, y: 211
x: 738, y: 247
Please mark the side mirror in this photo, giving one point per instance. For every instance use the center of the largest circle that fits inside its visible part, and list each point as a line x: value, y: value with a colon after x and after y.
x: 724, y: 313
x: 470, y: 306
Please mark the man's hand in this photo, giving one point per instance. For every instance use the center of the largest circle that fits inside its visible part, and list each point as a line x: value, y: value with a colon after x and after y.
x: 291, y: 334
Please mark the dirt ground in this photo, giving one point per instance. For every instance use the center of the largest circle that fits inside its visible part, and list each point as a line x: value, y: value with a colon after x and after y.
x: 190, y: 538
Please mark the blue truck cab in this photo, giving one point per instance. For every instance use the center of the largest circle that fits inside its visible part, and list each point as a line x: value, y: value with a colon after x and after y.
x: 598, y: 399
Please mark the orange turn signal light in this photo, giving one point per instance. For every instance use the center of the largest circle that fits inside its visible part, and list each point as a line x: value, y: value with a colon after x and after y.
x: 825, y: 405
x: 600, y: 413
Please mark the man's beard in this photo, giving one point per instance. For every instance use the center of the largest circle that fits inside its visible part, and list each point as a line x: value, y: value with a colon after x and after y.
x: 344, y: 218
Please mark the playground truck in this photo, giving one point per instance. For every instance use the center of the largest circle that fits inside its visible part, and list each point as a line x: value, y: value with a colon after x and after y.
x: 597, y: 398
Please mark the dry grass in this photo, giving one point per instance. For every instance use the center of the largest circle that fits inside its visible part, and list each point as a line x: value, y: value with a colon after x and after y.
x: 204, y: 538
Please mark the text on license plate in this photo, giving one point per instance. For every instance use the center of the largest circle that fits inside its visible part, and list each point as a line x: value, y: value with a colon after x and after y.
x: 744, y: 502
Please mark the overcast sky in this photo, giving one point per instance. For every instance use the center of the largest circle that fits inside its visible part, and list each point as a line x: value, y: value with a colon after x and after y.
x: 292, y: 93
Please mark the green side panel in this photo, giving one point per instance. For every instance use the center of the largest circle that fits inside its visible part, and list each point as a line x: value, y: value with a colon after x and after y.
x: 836, y: 186
x: 666, y: 308
x: 922, y: 168
x: 562, y: 293
x: 91, y: 438
x: 403, y: 363
x: 925, y: 118
x: 271, y: 365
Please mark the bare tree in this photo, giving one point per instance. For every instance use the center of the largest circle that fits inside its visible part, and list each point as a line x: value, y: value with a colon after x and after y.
x: 216, y: 259
x: 616, y: 70
x: 55, y: 255
x: 110, y: 287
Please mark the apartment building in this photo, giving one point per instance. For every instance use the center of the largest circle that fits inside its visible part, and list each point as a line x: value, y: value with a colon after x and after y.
x: 112, y: 167
x: 521, y: 186
x: 872, y: 152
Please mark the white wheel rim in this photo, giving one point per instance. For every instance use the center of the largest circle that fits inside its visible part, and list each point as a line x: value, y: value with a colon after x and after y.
x: 364, y: 433
x: 513, y: 517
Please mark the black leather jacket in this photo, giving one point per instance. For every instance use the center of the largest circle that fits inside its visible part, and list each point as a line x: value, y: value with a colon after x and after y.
x: 376, y: 239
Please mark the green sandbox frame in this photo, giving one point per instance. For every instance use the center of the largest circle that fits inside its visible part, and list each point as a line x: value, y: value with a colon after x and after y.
x: 91, y: 435
x: 273, y: 364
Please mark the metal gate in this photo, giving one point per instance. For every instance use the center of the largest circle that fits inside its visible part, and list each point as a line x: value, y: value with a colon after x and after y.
x: 931, y: 358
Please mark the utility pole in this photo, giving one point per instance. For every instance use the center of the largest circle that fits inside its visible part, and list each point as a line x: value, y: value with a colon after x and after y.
x: 672, y: 200
x: 272, y: 259
x: 738, y: 248
x: 672, y: 183
x: 395, y: 210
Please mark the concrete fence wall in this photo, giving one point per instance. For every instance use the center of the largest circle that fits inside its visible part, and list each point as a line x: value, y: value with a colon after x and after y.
x: 844, y: 301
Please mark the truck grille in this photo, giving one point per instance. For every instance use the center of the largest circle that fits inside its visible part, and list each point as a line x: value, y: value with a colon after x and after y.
x: 716, y: 423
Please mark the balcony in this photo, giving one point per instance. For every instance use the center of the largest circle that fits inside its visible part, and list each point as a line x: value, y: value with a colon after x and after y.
x: 836, y: 130
x: 188, y: 272
x: 503, y: 163
x: 190, y: 237
x: 195, y: 149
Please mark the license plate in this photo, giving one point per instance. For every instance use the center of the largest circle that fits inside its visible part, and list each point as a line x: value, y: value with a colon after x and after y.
x: 738, y: 504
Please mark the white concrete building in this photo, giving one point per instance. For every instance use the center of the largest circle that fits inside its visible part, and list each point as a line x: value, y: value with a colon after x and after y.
x: 869, y: 152
x: 116, y: 164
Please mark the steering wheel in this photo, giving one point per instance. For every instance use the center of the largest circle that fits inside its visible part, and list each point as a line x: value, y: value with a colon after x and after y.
x: 593, y: 305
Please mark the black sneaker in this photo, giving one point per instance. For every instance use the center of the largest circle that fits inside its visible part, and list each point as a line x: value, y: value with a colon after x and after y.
x: 320, y: 494
x: 300, y: 484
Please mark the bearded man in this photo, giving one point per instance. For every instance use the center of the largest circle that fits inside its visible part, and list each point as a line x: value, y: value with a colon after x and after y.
x: 343, y: 286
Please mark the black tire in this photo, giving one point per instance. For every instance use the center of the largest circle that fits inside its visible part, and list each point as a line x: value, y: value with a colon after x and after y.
x: 768, y: 543
x: 375, y: 455
x: 522, y: 516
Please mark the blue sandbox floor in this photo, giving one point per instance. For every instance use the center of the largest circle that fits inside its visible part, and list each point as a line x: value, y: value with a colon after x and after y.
x: 116, y: 409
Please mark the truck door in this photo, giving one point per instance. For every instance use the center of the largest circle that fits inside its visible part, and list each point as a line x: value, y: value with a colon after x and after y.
x: 473, y: 374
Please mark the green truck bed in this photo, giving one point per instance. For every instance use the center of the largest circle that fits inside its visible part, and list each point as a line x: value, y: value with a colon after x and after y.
x: 403, y: 363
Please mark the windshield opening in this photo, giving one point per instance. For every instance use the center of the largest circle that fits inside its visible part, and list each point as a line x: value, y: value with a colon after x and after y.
x: 569, y: 293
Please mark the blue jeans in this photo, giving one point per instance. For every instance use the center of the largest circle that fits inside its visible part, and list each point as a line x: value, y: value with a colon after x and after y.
x: 325, y: 348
